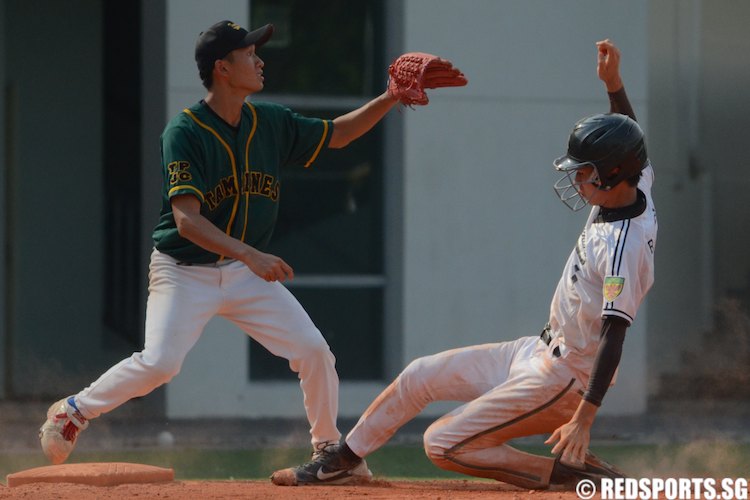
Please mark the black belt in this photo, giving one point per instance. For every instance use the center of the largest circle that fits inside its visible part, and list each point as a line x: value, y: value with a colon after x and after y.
x: 207, y: 264
x: 547, y: 338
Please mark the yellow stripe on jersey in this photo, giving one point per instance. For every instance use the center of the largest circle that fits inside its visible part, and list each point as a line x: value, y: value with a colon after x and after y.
x: 192, y: 188
x: 247, y: 165
x: 234, y: 169
x: 320, y: 144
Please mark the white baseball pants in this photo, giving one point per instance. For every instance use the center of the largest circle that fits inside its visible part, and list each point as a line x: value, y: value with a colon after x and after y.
x: 511, y: 389
x: 182, y: 299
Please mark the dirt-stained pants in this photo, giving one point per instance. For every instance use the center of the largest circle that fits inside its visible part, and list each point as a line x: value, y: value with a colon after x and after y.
x: 510, y: 389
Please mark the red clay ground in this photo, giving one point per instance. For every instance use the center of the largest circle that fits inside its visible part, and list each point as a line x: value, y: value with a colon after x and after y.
x: 379, y: 489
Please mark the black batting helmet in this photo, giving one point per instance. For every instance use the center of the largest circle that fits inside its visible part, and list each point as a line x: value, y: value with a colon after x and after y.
x: 611, y: 143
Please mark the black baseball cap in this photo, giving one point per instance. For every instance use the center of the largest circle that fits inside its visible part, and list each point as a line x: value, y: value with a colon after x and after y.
x: 224, y: 37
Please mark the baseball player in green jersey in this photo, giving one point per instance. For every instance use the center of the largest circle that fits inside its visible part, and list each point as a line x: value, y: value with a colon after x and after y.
x: 221, y: 161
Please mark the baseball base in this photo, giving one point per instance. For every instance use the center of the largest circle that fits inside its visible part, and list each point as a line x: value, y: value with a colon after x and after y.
x: 95, y: 474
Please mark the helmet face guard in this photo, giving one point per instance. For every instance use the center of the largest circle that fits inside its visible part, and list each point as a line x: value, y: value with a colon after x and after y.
x: 567, y: 187
x: 612, y: 144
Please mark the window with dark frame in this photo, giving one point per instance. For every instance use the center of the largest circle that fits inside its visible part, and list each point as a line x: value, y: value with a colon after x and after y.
x: 325, y: 60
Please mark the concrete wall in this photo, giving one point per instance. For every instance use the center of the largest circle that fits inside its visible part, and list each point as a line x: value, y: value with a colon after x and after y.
x: 683, y: 293
x: 699, y: 110
x: 723, y: 130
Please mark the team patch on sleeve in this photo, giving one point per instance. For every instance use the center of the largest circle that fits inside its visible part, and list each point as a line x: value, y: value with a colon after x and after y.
x: 613, y: 286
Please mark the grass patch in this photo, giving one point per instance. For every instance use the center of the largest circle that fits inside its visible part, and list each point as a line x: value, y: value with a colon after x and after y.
x: 698, y: 459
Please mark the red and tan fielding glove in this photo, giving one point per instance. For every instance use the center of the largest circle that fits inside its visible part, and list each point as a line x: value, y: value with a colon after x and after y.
x: 413, y: 72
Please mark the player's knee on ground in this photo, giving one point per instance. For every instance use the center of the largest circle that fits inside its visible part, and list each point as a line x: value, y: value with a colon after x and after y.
x: 436, y: 446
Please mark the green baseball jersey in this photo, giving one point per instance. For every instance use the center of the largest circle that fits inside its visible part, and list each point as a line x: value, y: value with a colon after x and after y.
x: 234, y: 172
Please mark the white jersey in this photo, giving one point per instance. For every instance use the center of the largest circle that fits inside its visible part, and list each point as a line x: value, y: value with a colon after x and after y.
x: 608, y: 273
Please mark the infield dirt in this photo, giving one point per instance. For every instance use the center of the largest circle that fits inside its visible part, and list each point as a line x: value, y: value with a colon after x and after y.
x: 378, y: 489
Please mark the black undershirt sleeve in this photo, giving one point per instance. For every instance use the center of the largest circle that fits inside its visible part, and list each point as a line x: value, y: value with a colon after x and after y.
x: 607, y: 358
x: 619, y: 103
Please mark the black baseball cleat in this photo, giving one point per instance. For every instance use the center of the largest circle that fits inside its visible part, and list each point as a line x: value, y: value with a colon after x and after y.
x: 328, y: 466
x: 596, y: 465
x: 594, y: 469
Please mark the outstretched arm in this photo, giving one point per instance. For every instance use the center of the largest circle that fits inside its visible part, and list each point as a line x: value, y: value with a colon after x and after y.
x: 354, y: 124
x: 608, y: 69
x: 409, y: 75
